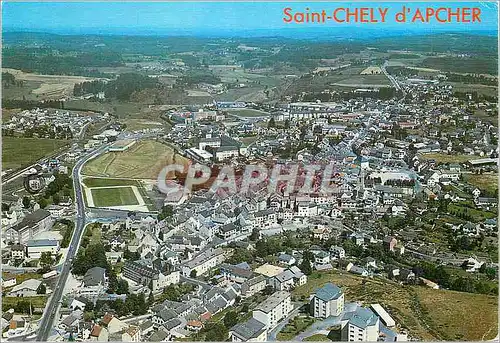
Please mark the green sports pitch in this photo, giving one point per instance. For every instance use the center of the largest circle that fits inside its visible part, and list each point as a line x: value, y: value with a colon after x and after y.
x: 107, y: 197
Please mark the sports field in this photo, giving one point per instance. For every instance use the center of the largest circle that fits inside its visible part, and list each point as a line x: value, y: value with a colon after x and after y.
x: 113, y: 196
x: 144, y: 160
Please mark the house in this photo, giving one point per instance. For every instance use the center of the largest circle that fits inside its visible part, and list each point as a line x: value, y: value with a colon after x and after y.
x: 140, y: 272
x: 383, y: 315
x: 288, y: 279
x: 472, y: 265
x: 360, y: 325
x: 486, y: 202
x: 27, y: 288
x: 146, y: 327
x: 351, y: 268
x: 286, y: 259
x: 251, y: 330
x: 389, y: 243
x: 253, y: 286
x: 273, y: 309
x: 17, y: 251
x: 131, y: 334
x: 322, y: 257
x: 8, y: 281
x: 203, y: 262
x: 194, y: 325
x: 159, y: 336
x: 94, y: 283
x: 78, y: 303
x: 327, y: 301
x: 99, y: 334
x: 235, y: 273
x: 225, y: 152
x: 337, y: 252
x: 35, y: 248
x: 71, y: 321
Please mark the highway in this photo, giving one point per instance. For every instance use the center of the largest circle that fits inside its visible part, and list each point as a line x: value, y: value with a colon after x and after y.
x: 49, y: 315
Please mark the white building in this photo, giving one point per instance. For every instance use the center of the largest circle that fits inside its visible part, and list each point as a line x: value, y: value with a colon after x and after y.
x: 204, y: 262
x: 28, y: 288
x: 360, y: 325
x: 35, y: 248
x: 273, y: 309
x: 94, y: 283
x: 327, y: 301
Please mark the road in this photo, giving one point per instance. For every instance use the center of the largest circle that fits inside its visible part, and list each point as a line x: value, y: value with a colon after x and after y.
x: 393, y: 80
x: 47, y: 322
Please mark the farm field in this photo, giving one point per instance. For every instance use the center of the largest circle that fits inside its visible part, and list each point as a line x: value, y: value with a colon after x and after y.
x: 49, y: 86
x: 415, y: 307
x: 21, y: 152
x: 445, y: 158
x: 119, y: 196
x: 141, y: 124
x: 144, y: 160
x: 364, y: 80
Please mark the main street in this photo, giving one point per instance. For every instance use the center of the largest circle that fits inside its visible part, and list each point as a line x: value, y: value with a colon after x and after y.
x: 47, y: 322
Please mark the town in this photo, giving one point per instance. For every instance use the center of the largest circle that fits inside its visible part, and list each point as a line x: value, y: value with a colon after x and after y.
x: 306, y: 210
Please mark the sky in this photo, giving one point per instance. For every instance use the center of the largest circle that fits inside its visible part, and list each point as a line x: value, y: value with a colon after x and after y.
x: 209, y: 17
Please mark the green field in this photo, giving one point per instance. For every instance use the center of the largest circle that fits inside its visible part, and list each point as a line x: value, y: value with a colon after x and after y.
x: 144, y: 160
x: 92, y: 182
x: 38, y: 302
x: 105, y: 197
x: 445, y: 158
x: 21, y: 152
x: 483, y: 181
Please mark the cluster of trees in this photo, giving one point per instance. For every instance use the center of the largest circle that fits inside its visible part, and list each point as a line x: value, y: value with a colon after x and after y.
x: 175, y: 292
x: 68, y: 232
x: 31, y: 104
x: 273, y: 245
x: 94, y: 255
x: 480, y: 65
x: 44, y: 61
x: 47, y: 131
x: 86, y: 87
x: 472, y: 79
x: 126, y: 84
x: 135, y: 304
x: 21, y: 306
x: 46, y: 261
x: 461, y: 283
x: 166, y: 212
x: 400, y: 71
x: 61, y: 185
x: 474, y: 95
x: 198, y: 76
x: 9, y: 79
